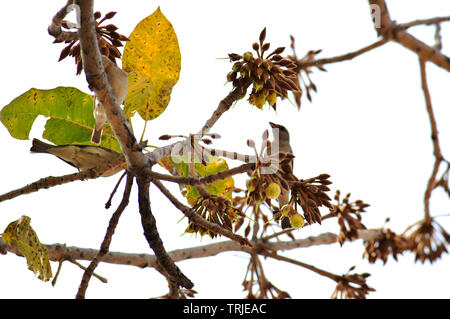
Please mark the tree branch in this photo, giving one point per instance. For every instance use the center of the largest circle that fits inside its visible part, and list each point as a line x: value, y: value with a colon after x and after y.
x: 223, y: 106
x: 438, y: 158
x: 153, y: 238
x: 98, y: 82
x: 58, y: 251
x: 104, y: 248
x: 430, y: 21
x: 196, y: 218
x: 54, y: 29
x: 344, y: 57
x: 389, y: 30
x: 205, y: 179
x: 51, y: 181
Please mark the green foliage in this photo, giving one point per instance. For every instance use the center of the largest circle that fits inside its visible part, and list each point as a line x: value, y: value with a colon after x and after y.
x: 223, y: 187
x: 153, y: 59
x: 69, y: 111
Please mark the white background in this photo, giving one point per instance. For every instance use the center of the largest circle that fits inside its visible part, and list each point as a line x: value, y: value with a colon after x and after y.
x: 367, y: 127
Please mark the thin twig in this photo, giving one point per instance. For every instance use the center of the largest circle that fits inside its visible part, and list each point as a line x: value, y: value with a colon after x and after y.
x: 430, y: 21
x: 301, y: 264
x: 202, y: 180
x: 434, y: 137
x: 344, y: 57
x: 52, y: 181
x: 196, y: 218
x: 102, y: 279
x: 223, y: 106
x: 104, y: 248
x: 108, y: 203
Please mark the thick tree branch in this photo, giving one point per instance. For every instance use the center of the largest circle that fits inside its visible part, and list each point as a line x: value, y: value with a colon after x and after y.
x: 153, y: 238
x: 98, y: 82
x: 58, y: 251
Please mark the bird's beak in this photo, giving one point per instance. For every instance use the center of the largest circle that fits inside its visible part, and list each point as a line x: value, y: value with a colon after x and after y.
x: 273, y: 125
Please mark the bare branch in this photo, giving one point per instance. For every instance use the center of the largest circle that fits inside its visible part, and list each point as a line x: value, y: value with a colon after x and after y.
x: 104, y: 248
x: 223, y: 106
x: 430, y: 21
x: 153, y: 238
x: 51, y: 181
x: 301, y: 264
x: 389, y: 30
x: 58, y: 251
x: 344, y: 57
x: 202, y: 180
x: 435, y: 139
x: 196, y: 218
x: 54, y: 29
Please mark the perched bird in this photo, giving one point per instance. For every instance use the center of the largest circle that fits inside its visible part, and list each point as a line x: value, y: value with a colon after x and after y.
x: 83, y: 157
x: 281, y: 138
x: 280, y: 144
x: 119, y: 83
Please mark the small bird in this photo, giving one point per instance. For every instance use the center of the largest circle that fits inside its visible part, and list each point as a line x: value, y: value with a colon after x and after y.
x: 83, y: 157
x: 280, y: 144
x: 118, y: 79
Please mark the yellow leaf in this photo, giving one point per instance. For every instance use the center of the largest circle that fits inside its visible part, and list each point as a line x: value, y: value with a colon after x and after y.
x: 153, y: 59
x: 20, y: 234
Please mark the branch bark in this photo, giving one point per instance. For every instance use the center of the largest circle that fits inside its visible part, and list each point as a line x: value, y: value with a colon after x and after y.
x: 389, y: 30
x: 98, y: 82
x: 344, y: 57
x: 58, y: 251
x: 153, y: 238
x: 104, y: 248
x: 54, y: 28
x: 196, y: 218
x: 52, y: 181
x: 438, y: 158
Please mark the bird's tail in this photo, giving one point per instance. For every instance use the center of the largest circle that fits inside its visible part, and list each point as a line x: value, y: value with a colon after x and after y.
x: 40, y: 147
x: 96, y: 136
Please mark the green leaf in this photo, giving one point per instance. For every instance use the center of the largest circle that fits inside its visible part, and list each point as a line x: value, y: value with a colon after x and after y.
x: 70, y: 113
x: 223, y: 187
x: 21, y: 235
x: 153, y: 59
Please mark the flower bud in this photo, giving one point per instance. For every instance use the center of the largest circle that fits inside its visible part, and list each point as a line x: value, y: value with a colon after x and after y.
x: 273, y: 190
x: 297, y: 221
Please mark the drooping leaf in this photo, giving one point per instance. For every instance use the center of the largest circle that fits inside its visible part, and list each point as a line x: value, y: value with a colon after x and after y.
x: 70, y: 113
x: 21, y: 235
x: 153, y: 59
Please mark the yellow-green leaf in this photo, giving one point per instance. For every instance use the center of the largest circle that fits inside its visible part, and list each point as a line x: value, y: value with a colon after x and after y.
x: 223, y: 187
x: 69, y: 112
x: 153, y: 59
x: 20, y: 234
